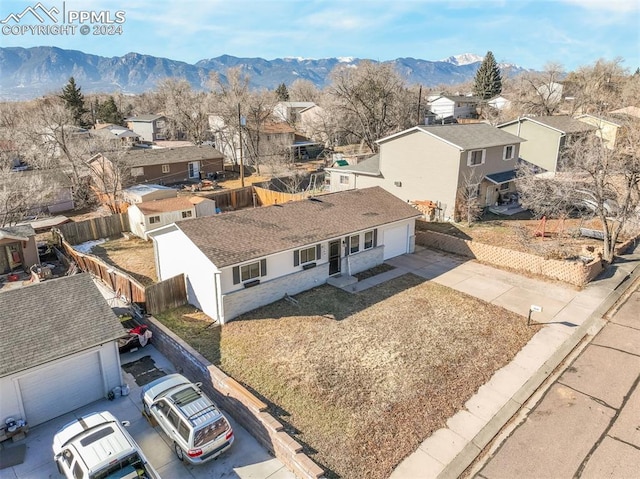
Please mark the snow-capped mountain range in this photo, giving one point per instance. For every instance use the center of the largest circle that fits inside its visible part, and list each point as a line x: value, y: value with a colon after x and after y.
x: 31, y: 72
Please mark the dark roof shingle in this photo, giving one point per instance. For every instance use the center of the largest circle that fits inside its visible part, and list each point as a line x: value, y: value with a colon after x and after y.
x: 53, y: 319
x: 244, y: 235
x: 162, y: 156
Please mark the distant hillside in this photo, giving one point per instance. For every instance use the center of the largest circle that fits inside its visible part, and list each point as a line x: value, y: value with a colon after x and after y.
x: 32, y: 72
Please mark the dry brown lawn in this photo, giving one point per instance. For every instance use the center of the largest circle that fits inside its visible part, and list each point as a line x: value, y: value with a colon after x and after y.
x: 561, y: 240
x: 362, y: 379
x: 133, y: 256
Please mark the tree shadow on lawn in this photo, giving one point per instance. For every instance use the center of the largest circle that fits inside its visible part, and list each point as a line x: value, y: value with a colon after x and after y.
x: 331, y: 302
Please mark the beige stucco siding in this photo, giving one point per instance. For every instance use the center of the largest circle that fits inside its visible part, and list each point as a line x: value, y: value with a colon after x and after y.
x: 426, y: 168
x: 541, y: 147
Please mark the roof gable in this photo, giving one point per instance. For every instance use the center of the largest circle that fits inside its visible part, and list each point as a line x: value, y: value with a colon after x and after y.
x: 165, y: 205
x: 245, y: 235
x: 469, y: 136
x: 53, y: 319
x: 561, y: 123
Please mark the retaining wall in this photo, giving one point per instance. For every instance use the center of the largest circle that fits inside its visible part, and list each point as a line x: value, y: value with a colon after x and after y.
x: 572, y: 272
x: 234, y: 398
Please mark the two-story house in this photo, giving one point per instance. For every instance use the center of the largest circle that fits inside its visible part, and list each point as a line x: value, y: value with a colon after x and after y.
x: 149, y: 128
x: 434, y: 163
x: 546, y: 137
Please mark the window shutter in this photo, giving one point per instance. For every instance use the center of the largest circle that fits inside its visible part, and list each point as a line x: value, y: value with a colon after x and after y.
x: 375, y: 238
x: 347, y: 246
x: 318, y: 252
x: 296, y: 257
x: 236, y: 274
x: 263, y: 267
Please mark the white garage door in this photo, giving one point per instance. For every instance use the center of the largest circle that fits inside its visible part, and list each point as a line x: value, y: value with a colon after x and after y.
x: 395, y: 241
x: 61, y: 388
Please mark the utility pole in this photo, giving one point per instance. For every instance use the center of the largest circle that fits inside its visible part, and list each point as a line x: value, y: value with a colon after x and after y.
x: 419, y: 104
x: 241, y: 158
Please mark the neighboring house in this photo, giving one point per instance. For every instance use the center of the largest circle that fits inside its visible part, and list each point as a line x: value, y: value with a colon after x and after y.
x: 241, y: 260
x: 119, y: 135
x: 150, y: 215
x: 434, y: 163
x: 139, y: 193
x: 454, y: 106
x: 289, y: 111
x: 633, y: 111
x: 499, y: 102
x: 609, y: 129
x: 171, y: 165
x: 546, y: 137
x: 271, y: 138
x: 51, y: 189
x: 18, y: 248
x: 58, y: 348
x: 148, y: 127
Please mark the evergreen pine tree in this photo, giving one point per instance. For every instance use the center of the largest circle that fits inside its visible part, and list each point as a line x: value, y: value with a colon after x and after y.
x: 282, y: 93
x: 74, y: 101
x: 488, y: 82
x: 108, y: 112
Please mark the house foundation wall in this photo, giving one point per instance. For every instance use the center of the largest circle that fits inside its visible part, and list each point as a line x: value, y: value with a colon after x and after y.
x: 362, y: 261
x: 240, y: 302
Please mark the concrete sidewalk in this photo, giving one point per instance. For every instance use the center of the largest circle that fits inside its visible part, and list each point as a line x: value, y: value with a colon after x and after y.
x: 569, y: 315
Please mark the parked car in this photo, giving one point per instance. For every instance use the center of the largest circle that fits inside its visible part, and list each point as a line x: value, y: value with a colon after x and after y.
x: 194, y: 424
x: 97, y: 446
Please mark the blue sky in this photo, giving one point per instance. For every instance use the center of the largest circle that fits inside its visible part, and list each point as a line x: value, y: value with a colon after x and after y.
x: 529, y: 33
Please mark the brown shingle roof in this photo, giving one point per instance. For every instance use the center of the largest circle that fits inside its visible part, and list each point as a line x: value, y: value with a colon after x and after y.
x: 239, y: 236
x: 53, y: 319
x: 163, y: 156
x: 165, y: 205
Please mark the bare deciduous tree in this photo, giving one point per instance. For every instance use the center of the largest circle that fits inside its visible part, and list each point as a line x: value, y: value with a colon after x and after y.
x: 187, y: 111
x: 538, y: 93
x: 603, y: 181
x: 371, y: 101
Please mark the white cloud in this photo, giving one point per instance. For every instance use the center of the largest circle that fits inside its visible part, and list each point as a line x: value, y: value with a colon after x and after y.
x: 622, y: 6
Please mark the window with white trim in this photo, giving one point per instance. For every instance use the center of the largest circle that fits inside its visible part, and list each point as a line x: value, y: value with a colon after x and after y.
x: 354, y: 244
x: 307, y: 255
x: 154, y: 219
x: 166, y: 169
x: 138, y: 171
x: 368, y: 240
x: 344, y: 179
x: 507, y: 152
x: 476, y: 157
x: 186, y: 214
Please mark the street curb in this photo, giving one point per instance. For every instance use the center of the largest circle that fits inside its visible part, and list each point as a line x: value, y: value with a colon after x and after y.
x: 591, y: 326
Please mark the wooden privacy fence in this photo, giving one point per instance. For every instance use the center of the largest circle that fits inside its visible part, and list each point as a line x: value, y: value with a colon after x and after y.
x: 167, y: 294
x: 95, y: 228
x: 233, y: 199
x: 155, y: 298
x: 268, y: 197
x: 119, y: 282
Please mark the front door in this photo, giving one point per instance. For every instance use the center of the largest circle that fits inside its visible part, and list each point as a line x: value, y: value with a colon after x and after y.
x: 194, y: 170
x: 334, y: 257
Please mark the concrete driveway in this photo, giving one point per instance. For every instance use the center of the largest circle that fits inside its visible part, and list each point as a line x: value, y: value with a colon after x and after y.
x: 246, y: 458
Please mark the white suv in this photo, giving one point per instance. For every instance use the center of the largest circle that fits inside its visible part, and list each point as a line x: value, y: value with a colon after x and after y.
x: 96, y: 446
x: 195, y: 425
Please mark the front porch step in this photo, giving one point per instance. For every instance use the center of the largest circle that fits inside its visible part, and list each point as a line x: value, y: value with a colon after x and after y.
x: 340, y: 281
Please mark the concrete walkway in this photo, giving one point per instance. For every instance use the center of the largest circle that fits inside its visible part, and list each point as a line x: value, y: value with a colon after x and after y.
x: 569, y: 316
x: 587, y: 423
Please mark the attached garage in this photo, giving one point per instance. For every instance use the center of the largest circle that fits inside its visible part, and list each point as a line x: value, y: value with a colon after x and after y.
x: 396, y: 241
x: 62, y: 352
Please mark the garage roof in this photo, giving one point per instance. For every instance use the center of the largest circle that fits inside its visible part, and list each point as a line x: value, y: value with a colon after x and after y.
x: 51, y: 320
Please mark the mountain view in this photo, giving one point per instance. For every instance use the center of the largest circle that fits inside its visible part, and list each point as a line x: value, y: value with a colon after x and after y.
x: 31, y: 72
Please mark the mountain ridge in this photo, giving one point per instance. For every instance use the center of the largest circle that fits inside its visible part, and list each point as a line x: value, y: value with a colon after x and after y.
x: 31, y: 72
